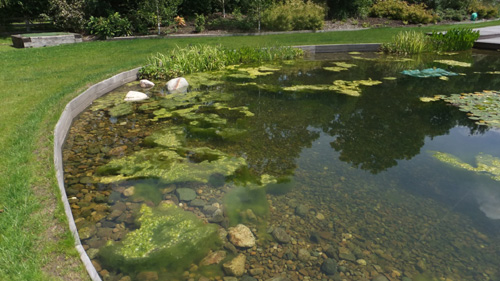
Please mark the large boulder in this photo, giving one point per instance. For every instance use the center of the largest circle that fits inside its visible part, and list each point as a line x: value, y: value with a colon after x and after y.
x: 135, y: 96
x: 241, y: 236
x: 177, y: 85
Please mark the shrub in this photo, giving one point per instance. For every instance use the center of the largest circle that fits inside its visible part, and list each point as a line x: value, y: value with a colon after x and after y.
x: 401, y: 10
x: 456, y: 39
x: 182, y: 61
x: 483, y: 11
x: 232, y: 22
x: 407, y: 43
x: 452, y: 14
x: 112, y: 26
x: 294, y: 15
x: 68, y: 15
x: 199, y: 23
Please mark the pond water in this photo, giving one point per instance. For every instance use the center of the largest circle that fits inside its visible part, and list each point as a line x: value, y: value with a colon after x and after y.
x: 336, y: 180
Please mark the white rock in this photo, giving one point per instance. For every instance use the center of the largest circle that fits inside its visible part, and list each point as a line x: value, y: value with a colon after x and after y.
x: 241, y: 236
x: 135, y: 96
x: 177, y: 85
x: 146, y: 83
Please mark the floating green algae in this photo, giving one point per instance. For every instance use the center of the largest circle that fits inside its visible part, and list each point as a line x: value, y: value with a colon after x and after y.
x: 339, y: 66
x: 169, y: 165
x: 172, y: 137
x: 168, y: 237
x: 429, y: 72
x: 352, y: 88
x: 486, y: 164
x: 335, y: 68
x: 308, y: 88
x: 454, y: 63
x: 207, y: 79
x: 250, y: 73
x: 483, y: 107
x: 122, y: 109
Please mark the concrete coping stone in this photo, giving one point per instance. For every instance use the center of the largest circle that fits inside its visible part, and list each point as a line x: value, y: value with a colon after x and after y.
x: 85, y: 99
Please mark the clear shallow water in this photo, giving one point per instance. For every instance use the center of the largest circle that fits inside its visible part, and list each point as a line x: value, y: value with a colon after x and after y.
x: 362, y: 166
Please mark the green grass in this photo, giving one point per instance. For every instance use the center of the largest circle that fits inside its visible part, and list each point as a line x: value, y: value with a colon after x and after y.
x: 35, y: 85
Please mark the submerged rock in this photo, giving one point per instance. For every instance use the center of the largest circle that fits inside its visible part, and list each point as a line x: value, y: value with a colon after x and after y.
x: 146, y: 83
x: 329, y: 267
x: 241, y: 236
x: 135, y: 96
x: 281, y: 236
x: 235, y: 267
x: 177, y: 85
x: 213, y: 258
x: 185, y: 194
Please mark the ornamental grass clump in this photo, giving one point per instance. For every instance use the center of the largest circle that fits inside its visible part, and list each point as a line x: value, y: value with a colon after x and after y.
x: 407, y: 43
x: 182, y: 61
x: 413, y: 42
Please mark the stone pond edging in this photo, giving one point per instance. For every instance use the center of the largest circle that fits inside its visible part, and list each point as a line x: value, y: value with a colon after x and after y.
x: 81, y: 102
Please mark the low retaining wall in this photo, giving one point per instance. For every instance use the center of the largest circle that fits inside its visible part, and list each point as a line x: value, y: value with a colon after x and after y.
x: 80, y: 103
x: 20, y: 41
x: 75, y: 107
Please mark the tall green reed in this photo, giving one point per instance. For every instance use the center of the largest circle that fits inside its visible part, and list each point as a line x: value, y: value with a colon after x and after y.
x: 199, y: 58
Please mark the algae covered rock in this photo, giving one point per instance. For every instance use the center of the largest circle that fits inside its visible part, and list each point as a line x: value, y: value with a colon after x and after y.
x: 168, y: 237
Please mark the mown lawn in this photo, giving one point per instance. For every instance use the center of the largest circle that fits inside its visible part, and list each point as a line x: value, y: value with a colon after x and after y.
x: 35, y: 85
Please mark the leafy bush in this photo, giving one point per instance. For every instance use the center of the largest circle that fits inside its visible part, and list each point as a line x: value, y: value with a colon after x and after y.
x: 407, y: 43
x: 68, y: 15
x: 483, y: 11
x: 293, y: 15
x: 452, y: 14
x: 232, y: 22
x: 401, y: 10
x: 456, y: 39
x: 112, y: 26
x: 182, y: 61
x: 342, y: 9
x: 199, y: 23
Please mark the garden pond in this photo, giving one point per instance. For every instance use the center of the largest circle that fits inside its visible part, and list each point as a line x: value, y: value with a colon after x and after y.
x: 343, y: 166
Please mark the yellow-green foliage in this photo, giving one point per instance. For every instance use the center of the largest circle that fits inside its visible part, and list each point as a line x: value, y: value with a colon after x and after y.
x: 401, y: 10
x: 294, y: 15
x: 483, y: 11
x: 407, y: 42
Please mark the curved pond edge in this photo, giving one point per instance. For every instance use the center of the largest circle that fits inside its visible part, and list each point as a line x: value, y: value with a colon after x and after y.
x: 85, y: 99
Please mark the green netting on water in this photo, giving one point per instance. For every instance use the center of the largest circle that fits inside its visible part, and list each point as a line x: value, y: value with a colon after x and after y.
x: 429, y: 72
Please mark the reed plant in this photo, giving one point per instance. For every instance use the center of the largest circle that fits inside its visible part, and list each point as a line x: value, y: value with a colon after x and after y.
x: 199, y: 58
x: 407, y: 43
x: 455, y: 39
